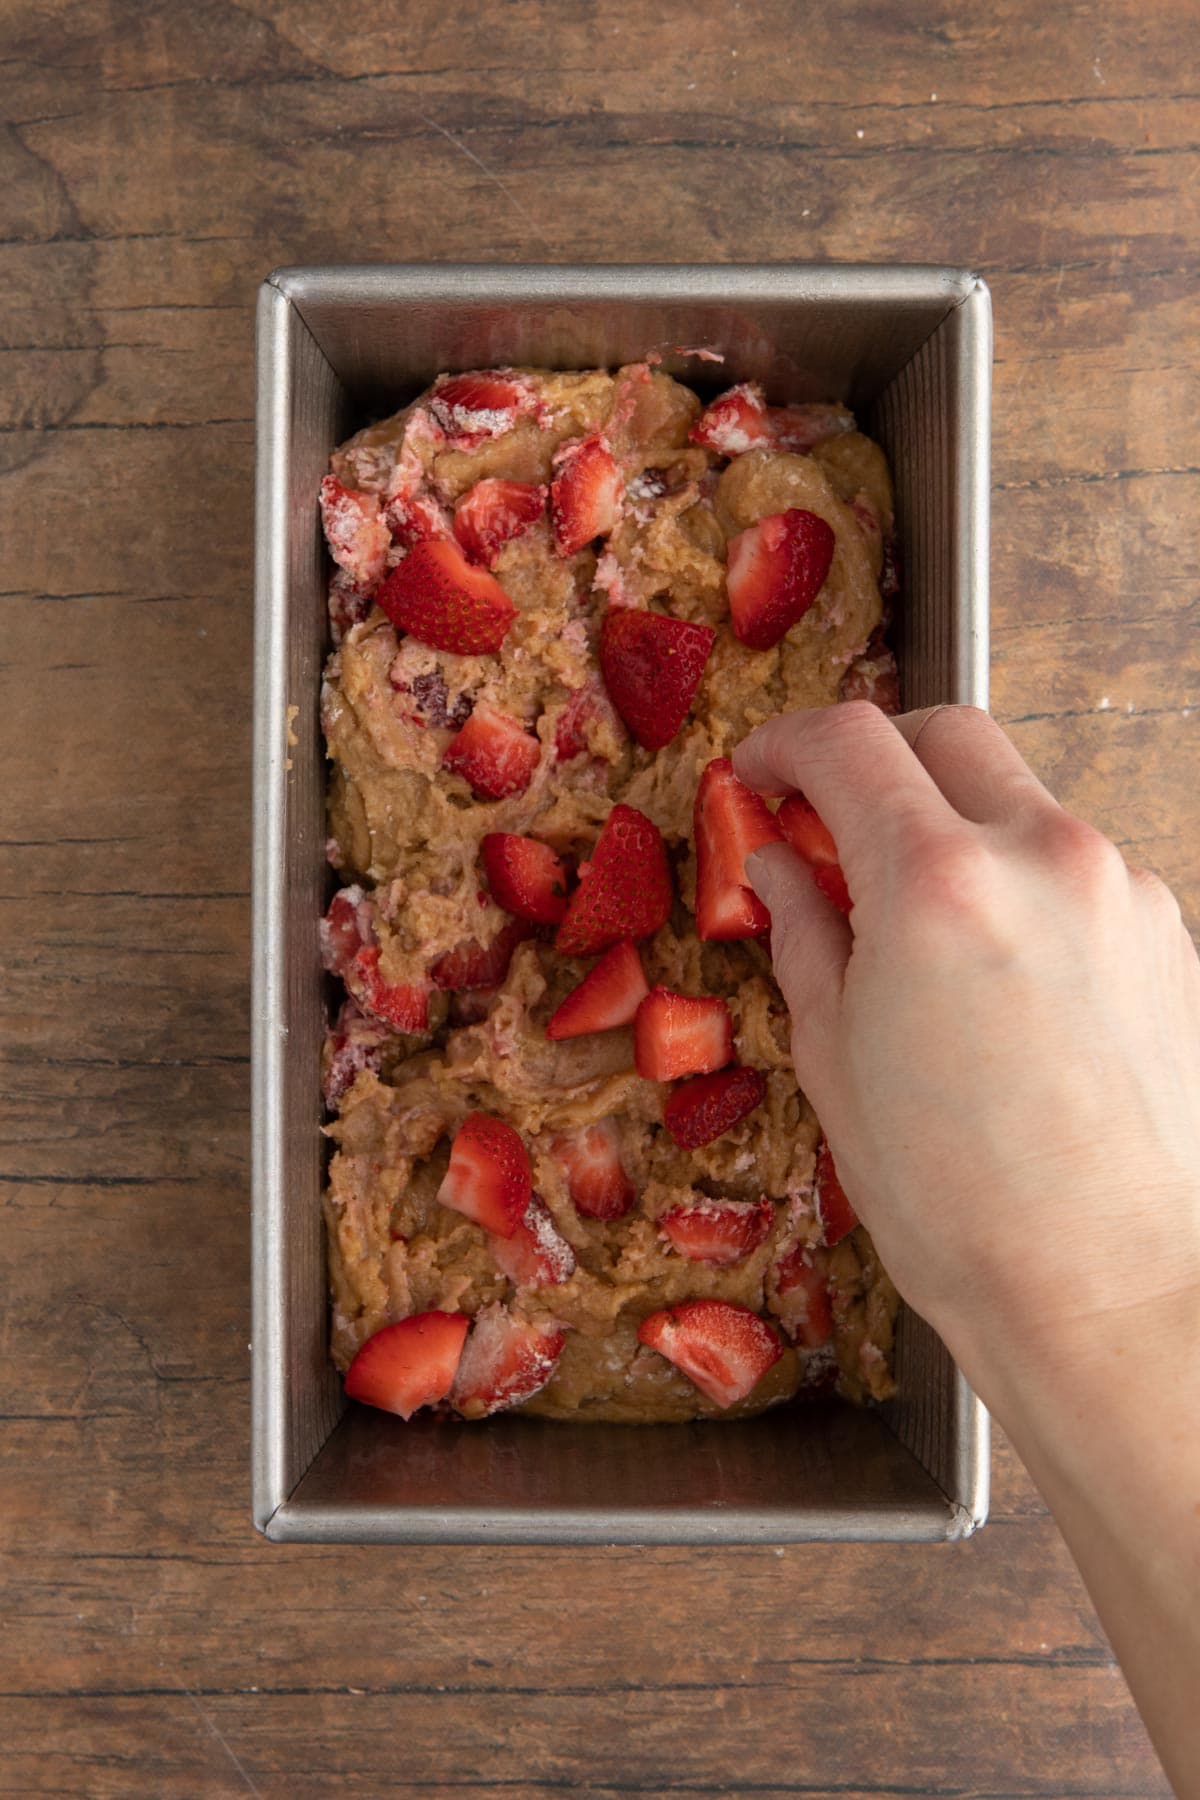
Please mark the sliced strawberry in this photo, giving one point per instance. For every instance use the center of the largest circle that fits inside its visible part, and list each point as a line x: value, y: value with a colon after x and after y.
x: 776, y: 570
x: 471, y: 965
x: 676, y: 1035
x: 624, y: 891
x: 495, y: 753
x: 585, y: 495
x: 481, y: 404
x: 734, y: 422
x: 724, y: 1348
x: 350, y: 948
x: 525, y: 876
x: 536, y: 1255
x: 730, y: 821
x: 596, y: 1178
x: 410, y: 1364
x: 348, y: 925
x: 415, y: 516
x: 609, y: 995
x: 834, y: 1210
x: 493, y: 512
x: 717, y: 1231
x: 588, y: 705
x: 506, y: 1361
x: 809, y: 837
x: 804, y: 1307
x: 357, y: 535
x: 874, y: 677
x: 652, y: 666
x: 801, y: 428
x: 488, y: 1179
x: 707, y: 1106
x: 444, y: 601
x: 353, y: 1043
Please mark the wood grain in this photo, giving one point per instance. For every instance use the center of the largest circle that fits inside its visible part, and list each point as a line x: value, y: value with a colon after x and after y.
x: 158, y: 160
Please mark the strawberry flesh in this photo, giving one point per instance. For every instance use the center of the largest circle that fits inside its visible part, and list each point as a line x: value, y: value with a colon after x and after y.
x: 676, y: 1035
x: 585, y: 494
x: 536, y: 1255
x: 353, y: 1043
x: 506, y: 1362
x: 709, y: 1105
x: 837, y: 1216
x: 717, y: 1231
x: 652, y: 666
x: 445, y: 602
x: 481, y: 404
x: 809, y: 837
x: 350, y: 948
x: 415, y: 516
x: 624, y: 891
x: 588, y: 705
x: 776, y: 569
x: 410, y: 1364
x: 526, y: 877
x: 734, y: 422
x: 494, y: 753
x: 730, y: 821
x: 609, y: 995
x: 804, y: 1305
x: 874, y: 677
x: 725, y: 1349
x: 492, y: 513
x: 489, y: 1178
x: 355, y: 531
x: 471, y: 965
x: 596, y: 1178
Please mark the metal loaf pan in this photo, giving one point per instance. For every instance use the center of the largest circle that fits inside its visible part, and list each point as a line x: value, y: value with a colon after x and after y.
x: 910, y: 349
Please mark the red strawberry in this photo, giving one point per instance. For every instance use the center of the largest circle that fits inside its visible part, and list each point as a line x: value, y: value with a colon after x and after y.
x: 495, y: 753
x: 801, y: 428
x: 352, y: 1044
x: 585, y: 495
x: 609, y: 995
x: 525, y: 876
x: 874, y: 677
x: 410, y: 1364
x: 624, y: 891
x: 709, y: 1105
x: 776, y: 570
x: 734, y: 422
x: 804, y: 1304
x: 536, y: 1255
x: 472, y: 965
x: 481, y: 404
x: 444, y: 601
x: 676, y: 1035
x: 730, y: 821
x: 507, y: 1361
x: 349, y: 923
x: 725, y: 1349
x: 587, y: 705
x: 415, y: 516
x: 596, y: 1178
x: 809, y: 837
x: 349, y: 948
x: 492, y: 512
x: 834, y: 1210
x: 488, y: 1179
x: 358, y: 537
x: 717, y: 1231
x: 652, y: 666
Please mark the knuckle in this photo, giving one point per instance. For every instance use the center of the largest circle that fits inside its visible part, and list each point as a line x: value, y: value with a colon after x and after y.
x: 1085, y: 854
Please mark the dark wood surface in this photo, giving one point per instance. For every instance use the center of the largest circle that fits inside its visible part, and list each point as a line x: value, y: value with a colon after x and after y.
x: 159, y: 159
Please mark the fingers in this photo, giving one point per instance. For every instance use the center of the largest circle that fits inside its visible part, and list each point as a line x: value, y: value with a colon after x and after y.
x: 974, y: 763
x: 810, y: 942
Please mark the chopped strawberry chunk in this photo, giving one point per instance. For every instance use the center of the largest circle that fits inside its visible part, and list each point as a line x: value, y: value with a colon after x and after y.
x: 357, y: 535
x: 471, y: 965
x: 350, y: 948
x: 717, y: 1231
x: 723, y: 1348
x: 409, y: 1364
x: 349, y: 603
x: 348, y: 925
x: 624, y: 891
x: 446, y: 602
x: 415, y: 516
x: 488, y: 1179
x: 874, y: 677
x: 734, y: 422
x: 588, y: 705
x: 809, y: 837
x: 585, y: 495
x: 493, y: 512
x: 801, y: 428
x: 353, y: 1043
x: 804, y: 1306
x: 834, y: 1210
x: 481, y: 404
x: 494, y: 753
x: 652, y: 666
x: 776, y: 570
x: 596, y: 1178
x: 676, y: 1035
x: 609, y: 995
x: 507, y: 1361
x: 730, y: 821
x: 709, y: 1105
x: 536, y: 1255
x: 526, y: 876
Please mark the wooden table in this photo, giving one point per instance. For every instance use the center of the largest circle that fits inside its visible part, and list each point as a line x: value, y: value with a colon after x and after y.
x: 161, y: 158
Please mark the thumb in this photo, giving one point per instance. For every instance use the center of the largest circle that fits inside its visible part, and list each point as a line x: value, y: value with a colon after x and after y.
x: 810, y: 946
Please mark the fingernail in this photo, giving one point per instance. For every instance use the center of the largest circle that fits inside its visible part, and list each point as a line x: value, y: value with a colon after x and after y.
x: 758, y: 873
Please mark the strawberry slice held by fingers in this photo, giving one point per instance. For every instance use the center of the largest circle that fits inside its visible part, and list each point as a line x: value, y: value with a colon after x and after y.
x: 707, y: 1106
x: 536, y: 1255
x: 444, y: 601
x: 717, y: 1231
x: 624, y: 890
x: 410, y: 1364
x: 676, y: 1034
x: 471, y: 965
x: 725, y: 1349
x: 493, y: 512
x: 734, y: 422
x: 609, y: 995
x: 652, y: 666
x: 481, y: 404
x: 507, y: 1360
x: 838, y: 1218
x: 730, y: 821
x: 585, y: 494
x: 494, y: 753
x: 489, y: 1178
x: 803, y: 1305
x: 809, y: 837
x: 526, y: 876
x: 596, y: 1177
x: 355, y: 531
x: 775, y: 571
